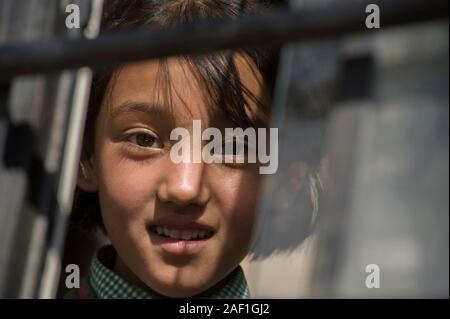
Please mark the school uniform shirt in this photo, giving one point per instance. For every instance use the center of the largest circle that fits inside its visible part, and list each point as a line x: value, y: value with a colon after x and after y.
x: 103, y: 283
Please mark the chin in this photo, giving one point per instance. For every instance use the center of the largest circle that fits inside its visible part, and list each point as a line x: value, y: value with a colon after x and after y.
x: 176, y: 287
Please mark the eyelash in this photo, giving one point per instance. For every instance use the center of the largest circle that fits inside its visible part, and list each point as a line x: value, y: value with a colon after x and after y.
x: 146, y: 134
x: 245, y: 144
x: 134, y: 146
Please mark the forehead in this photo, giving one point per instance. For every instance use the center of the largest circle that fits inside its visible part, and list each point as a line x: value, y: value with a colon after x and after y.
x: 175, y: 88
x: 148, y: 82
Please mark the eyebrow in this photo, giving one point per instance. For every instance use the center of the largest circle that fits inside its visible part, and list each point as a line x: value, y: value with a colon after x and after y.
x: 136, y: 106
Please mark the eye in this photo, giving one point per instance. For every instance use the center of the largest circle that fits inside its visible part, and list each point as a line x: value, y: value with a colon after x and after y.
x: 144, y: 139
x: 237, y: 147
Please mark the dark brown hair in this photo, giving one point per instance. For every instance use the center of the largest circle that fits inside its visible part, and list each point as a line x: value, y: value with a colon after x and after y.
x: 216, y: 73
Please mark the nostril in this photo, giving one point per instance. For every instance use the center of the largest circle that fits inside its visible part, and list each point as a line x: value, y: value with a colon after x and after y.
x: 184, y: 194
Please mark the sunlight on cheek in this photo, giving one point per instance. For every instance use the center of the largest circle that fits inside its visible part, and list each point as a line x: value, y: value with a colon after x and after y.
x: 128, y: 184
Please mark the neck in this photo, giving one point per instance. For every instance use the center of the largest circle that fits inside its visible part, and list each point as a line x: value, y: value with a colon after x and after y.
x: 121, y: 269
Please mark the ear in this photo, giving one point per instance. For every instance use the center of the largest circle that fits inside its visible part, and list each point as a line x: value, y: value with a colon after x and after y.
x: 87, y: 176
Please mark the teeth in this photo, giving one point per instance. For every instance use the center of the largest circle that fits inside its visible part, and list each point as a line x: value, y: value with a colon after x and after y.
x: 174, y: 234
x: 166, y: 231
x: 184, y: 234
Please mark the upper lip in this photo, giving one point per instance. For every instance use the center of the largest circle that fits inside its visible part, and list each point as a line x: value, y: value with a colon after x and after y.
x: 182, y: 225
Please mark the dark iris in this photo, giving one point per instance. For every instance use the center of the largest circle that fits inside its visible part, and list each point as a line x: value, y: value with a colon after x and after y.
x: 145, y: 140
x: 234, y: 147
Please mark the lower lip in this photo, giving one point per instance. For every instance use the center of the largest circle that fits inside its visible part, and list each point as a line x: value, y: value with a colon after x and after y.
x: 179, y: 246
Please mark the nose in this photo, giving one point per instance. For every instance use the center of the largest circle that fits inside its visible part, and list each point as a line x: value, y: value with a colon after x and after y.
x: 184, y: 184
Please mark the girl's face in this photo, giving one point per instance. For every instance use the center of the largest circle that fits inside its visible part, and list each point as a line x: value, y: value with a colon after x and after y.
x: 145, y: 197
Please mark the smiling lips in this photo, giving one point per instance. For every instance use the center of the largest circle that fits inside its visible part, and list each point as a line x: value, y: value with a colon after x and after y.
x: 180, y: 240
x: 184, y: 234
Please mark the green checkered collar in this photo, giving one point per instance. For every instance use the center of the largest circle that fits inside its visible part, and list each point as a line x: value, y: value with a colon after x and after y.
x: 106, y: 284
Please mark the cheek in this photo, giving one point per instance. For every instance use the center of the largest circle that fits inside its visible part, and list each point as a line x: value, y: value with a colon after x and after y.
x: 125, y: 185
x: 238, y: 197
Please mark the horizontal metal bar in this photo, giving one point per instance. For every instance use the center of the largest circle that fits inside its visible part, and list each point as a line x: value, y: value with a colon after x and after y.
x: 271, y: 29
